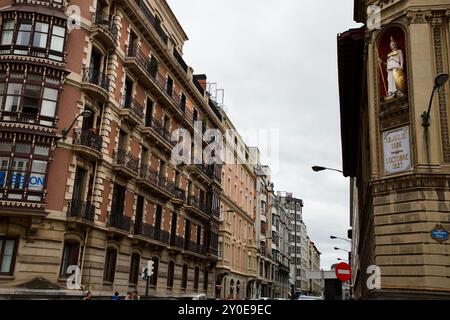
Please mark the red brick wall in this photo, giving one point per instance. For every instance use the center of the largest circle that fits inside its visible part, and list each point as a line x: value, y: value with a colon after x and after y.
x: 150, y: 213
x: 129, y: 203
x: 58, y: 168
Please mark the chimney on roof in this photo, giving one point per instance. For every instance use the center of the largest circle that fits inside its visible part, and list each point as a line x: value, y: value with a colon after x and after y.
x: 201, y: 79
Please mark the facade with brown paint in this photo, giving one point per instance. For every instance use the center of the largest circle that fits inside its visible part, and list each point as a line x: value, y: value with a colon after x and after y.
x: 107, y: 197
x: 398, y: 159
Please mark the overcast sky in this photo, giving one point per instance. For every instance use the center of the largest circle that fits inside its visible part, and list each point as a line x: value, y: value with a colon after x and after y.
x: 277, y: 62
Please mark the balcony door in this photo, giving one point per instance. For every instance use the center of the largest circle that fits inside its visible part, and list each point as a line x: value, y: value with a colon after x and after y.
x: 118, y: 200
x: 88, y: 123
x: 139, y: 213
x: 173, y: 229
x: 149, y: 113
x: 78, y: 187
x: 187, y: 234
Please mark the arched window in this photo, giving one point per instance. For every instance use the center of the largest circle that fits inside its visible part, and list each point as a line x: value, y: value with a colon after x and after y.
x: 205, y: 281
x: 110, y: 265
x: 170, y: 274
x: 196, y: 276
x: 134, y: 268
x: 154, y: 277
x: 232, y: 289
x: 184, y: 277
x: 238, y: 288
x: 70, y: 256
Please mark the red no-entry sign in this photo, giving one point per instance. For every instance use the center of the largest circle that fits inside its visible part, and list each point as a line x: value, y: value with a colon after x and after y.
x: 343, y: 272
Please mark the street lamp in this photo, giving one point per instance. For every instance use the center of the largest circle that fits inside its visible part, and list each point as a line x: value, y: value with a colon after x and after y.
x: 340, y: 259
x: 319, y: 168
x: 334, y: 237
x: 439, y: 81
x: 336, y: 248
x: 84, y: 114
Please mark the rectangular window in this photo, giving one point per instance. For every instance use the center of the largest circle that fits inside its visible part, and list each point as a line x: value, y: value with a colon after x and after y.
x: 69, y: 257
x: 23, y: 35
x: 40, y: 35
x: 14, y: 93
x: 7, y: 32
x: 18, y: 173
x: 58, y: 35
x: 4, y: 163
x: 8, y: 249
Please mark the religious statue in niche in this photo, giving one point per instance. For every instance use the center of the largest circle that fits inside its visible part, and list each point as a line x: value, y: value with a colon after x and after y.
x: 395, y: 64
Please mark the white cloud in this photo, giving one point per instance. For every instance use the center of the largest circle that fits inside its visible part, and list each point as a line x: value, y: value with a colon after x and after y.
x: 277, y: 62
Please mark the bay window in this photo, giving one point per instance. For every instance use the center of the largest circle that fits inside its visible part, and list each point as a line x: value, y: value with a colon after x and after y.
x: 23, y: 169
x: 43, y: 37
x: 8, y: 251
x: 34, y: 101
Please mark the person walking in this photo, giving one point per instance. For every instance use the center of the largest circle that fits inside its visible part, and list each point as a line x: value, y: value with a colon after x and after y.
x: 116, y: 296
x: 88, y: 296
x: 129, y: 296
x: 136, y: 295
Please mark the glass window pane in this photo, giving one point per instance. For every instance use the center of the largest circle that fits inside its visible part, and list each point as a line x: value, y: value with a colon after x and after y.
x: 12, y: 103
x: 19, y: 164
x: 59, y: 31
x: 32, y: 90
x: 36, y: 182
x: 23, y: 38
x: 39, y: 166
x: 14, y: 88
x: 7, y: 37
x: 7, y: 256
x: 23, y: 147
x: 41, y: 27
x: 57, y: 44
x: 48, y: 108
x: 50, y: 94
x: 41, y: 150
x: 5, y: 146
x: 40, y: 40
x: 17, y: 180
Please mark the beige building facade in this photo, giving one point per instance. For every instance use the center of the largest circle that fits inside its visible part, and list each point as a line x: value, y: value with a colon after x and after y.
x: 398, y: 157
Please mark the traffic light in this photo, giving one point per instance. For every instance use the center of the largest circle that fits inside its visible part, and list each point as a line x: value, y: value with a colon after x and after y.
x: 144, y: 273
x: 150, y: 268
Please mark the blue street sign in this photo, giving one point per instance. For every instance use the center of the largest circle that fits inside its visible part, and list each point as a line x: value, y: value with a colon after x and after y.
x: 439, y: 234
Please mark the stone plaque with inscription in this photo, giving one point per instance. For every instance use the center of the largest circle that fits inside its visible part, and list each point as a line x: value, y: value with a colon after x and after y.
x: 397, y: 151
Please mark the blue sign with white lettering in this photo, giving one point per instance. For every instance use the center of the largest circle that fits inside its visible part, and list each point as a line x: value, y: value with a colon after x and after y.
x: 439, y: 234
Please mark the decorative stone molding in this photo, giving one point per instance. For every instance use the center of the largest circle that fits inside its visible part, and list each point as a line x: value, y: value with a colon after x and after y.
x: 419, y: 17
x: 437, y: 39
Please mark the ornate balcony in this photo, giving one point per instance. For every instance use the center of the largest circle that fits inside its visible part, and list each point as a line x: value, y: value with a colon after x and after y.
x: 155, y: 183
x: 150, y: 19
x: 177, y: 242
x: 131, y: 110
x: 95, y: 83
x: 159, y: 134
x: 126, y: 164
x: 87, y: 143
x: 149, y: 232
x: 195, y: 248
x: 81, y: 211
x: 196, y: 207
x: 179, y: 197
x: 105, y: 30
x: 120, y: 223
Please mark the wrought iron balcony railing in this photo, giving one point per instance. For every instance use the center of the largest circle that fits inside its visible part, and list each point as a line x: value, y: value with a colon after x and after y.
x: 96, y: 77
x: 106, y: 23
x: 152, y: 20
x: 81, y: 209
x: 133, y: 106
x: 126, y: 159
x: 120, y: 222
x: 87, y: 138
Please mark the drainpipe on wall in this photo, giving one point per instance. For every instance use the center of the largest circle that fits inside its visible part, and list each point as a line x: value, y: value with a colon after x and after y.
x: 84, y: 254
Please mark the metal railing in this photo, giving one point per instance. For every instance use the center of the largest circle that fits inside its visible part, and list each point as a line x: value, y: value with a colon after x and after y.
x: 81, y: 209
x: 195, y: 202
x: 96, y: 77
x: 87, y: 138
x: 156, y: 179
x: 120, y: 222
x: 124, y: 158
x: 131, y: 104
x: 176, y: 241
x: 152, y: 20
x: 160, y: 129
x: 150, y: 232
x: 180, y: 60
x: 106, y: 22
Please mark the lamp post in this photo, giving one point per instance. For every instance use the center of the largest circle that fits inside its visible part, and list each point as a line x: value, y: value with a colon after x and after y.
x: 340, y: 259
x: 84, y: 114
x: 439, y: 81
x: 320, y: 168
x: 334, y: 237
x: 336, y: 248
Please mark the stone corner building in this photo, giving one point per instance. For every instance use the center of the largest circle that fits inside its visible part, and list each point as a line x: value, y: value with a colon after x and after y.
x: 400, y: 169
x: 108, y: 197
